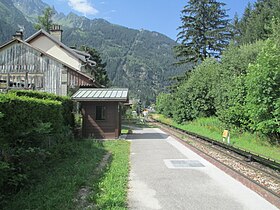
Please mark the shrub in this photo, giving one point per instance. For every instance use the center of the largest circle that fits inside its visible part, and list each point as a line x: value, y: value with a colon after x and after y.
x: 195, y: 97
x: 67, y: 103
x: 164, y: 104
x: 230, y: 89
x: 24, y: 116
x: 263, y: 96
x: 28, y: 127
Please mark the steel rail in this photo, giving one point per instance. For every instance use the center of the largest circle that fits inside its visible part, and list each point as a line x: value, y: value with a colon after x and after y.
x: 247, y: 154
x: 272, y: 193
x: 228, y: 153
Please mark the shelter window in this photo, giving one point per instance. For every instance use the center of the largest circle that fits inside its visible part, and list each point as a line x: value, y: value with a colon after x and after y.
x: 100, y: 112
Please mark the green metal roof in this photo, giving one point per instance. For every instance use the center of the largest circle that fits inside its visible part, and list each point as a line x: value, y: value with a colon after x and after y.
x: 101, y: 94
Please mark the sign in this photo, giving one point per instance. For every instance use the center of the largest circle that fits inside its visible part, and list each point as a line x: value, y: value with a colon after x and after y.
x: 225, y: 134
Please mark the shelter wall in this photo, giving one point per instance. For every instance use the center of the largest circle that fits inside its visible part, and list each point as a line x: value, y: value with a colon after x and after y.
x: 108, y: 128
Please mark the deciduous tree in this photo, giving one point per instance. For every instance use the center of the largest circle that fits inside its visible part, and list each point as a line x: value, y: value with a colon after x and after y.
x: 45, y: 21
x: 195, y: 97
x: 263, y: 94
x: 164, y: 104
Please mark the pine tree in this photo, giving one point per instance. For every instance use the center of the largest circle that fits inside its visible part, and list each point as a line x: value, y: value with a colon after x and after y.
x: 204, y: 31
x: 256, y: 21
x: 235, y: 29
x: 99, y: 70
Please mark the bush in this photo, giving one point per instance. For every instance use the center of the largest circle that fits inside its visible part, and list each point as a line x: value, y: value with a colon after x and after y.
x: 164, y: 104
x: 263, y: 97
x: 24, y: 116
x: 231, y: 90
x: 29, y: 128
x: 195, y: 97
x: 67, y: 103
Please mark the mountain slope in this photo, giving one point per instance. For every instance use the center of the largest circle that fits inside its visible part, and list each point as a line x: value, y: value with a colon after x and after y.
x: 10, y: 20
x: 138, y: 59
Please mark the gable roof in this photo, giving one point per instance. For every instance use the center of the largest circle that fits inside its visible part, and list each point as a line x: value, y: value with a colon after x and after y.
x: 81, y: 52
x: 86, y: 55
x: 9, y: 42
x: 68, y: 49
x: 43, y: 53
x: 101, y: 94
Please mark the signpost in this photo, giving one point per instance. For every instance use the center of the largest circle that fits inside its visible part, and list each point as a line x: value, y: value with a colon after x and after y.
x: 226, y: 135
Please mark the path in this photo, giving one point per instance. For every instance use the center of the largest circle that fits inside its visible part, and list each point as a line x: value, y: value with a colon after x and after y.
x: 157, y: 181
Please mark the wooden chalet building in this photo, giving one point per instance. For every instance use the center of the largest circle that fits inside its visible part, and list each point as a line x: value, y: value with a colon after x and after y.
x: 42, y: 62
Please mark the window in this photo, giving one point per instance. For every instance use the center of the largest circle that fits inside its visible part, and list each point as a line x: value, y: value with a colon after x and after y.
x: 100, y: 112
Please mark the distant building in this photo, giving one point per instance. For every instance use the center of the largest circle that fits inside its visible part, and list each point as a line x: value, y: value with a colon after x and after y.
x: 42, y: 62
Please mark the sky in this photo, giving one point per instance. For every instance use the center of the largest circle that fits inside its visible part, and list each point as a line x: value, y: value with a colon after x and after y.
x: 162, y: 16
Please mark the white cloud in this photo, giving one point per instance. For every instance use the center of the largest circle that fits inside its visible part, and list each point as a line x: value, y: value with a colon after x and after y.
x: 82, y: 6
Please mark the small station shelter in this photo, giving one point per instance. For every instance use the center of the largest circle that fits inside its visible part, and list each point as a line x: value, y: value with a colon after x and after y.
x: 101, y: 111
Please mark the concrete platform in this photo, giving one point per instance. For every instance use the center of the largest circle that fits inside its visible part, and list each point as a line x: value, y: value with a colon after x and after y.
x: 167, y: 175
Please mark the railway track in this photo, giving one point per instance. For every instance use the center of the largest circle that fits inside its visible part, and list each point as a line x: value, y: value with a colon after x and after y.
x: 263, y: 172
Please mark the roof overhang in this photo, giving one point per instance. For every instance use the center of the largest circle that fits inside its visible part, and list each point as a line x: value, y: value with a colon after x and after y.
x: 69, y: 50
x: 101, y: 94
x: 51, y: 57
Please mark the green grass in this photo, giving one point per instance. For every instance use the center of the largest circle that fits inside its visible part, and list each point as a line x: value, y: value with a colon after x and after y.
x: 139, y: 122
x: 59, y: 184
x: 111, y: 191
x: 213, y: 128
x: 125, y: 131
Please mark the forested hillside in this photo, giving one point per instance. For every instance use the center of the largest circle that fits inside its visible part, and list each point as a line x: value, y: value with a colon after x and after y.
x: 242, y: 88
x: 11, y: 19
x: 138, y: 59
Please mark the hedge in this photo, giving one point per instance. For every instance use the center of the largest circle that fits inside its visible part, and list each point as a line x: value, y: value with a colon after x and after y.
x: 67, y: 103
x: 29, y: 129
x: 23, y: 114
